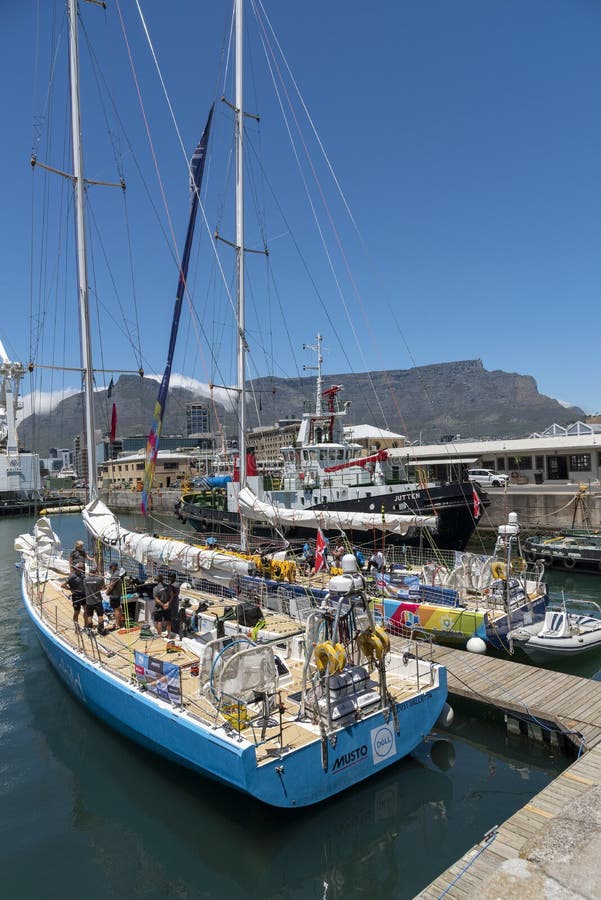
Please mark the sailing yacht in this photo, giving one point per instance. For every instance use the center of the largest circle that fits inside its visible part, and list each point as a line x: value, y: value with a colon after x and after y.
x: 291, y: 712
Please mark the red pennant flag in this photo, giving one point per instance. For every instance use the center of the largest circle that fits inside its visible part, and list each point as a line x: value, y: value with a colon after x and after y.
x: 113, y: 424
x: 476, y: 500
x: 320, y: 546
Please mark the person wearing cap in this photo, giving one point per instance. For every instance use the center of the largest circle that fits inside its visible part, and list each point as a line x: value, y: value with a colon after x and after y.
x: 115, y: 592
x: 78, y: 555
x: 75, y: 584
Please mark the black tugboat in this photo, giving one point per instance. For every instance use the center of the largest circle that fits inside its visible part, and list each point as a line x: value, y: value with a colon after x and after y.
x: 324, y: 471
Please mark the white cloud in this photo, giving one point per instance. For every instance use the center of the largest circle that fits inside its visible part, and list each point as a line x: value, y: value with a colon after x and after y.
x: 223, y: 396
x: 41, y: 402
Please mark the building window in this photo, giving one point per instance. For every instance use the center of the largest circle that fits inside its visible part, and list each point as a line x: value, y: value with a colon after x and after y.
x: 540, y: 462
x: 488, y: 463
x: 520, y: 462
x: 197, y: 419
x: 170, y: 465
x: 500, y: 464
x: 580, y: 462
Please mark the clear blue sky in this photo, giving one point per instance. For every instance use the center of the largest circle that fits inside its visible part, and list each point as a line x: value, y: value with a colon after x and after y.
x: 466, y: 137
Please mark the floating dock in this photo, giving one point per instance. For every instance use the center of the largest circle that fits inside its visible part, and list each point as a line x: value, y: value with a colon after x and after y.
x: 553, y: 844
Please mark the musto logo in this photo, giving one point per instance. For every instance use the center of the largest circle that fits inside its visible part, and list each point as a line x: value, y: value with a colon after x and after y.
x: 383, y: 743
x: 349, y: 759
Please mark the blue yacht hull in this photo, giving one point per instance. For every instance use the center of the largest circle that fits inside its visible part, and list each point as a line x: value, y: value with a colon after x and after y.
x: 300, y: 777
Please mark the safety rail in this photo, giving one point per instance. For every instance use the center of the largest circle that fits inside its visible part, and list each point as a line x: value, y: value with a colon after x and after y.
x: 419, y: 645
x: 420, y: 556
x: 239, y: 717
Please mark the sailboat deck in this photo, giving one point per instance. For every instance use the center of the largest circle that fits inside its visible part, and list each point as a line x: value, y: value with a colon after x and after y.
x: 116, y: 648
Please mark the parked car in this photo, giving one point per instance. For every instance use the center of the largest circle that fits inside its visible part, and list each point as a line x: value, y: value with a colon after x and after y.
x: 488, y: 477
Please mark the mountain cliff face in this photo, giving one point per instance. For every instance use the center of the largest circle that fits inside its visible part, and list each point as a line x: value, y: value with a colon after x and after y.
x: 428, y: 401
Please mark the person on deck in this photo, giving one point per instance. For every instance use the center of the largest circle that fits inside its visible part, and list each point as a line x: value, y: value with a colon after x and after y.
x: 376, y: 561
x: 161, y: 606
x: 173, y: 597
x: 115, y: 592
x: 307, y: 559
x: 75, y: 583
x: 79, y: 555
x: 337, y: 554
x: 93, y: 586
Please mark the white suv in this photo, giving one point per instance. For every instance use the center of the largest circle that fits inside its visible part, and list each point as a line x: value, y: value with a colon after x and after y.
x: 488, y: 477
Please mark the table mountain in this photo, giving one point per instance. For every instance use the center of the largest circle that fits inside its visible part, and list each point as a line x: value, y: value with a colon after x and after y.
x: 425, y: 401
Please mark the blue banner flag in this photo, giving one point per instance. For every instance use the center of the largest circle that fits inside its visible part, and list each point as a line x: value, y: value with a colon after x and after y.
x: 152, y: 445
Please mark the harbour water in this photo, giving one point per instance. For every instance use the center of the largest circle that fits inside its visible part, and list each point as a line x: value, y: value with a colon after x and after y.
x: 83, y: 811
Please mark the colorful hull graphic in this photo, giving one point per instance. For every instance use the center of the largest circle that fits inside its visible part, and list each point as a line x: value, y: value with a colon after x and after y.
x: 457, y: 623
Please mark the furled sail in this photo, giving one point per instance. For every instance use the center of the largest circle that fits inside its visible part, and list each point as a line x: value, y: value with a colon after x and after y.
x: 105, y: 527
x: 253, y: 508
x: 152, y: 444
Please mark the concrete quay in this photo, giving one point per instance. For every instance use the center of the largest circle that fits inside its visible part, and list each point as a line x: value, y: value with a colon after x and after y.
x: 543, y: 507
x: 163, y: 501
x: 551, y: 847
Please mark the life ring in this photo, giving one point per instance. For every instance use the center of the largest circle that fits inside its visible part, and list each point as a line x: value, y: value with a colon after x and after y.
x: 371, y: 645
x: 330, y: 657
x: 518, y: 565
x: 341, y: 656
x: 384, y: 638
x: 568, y: 562
x: 499, y: 570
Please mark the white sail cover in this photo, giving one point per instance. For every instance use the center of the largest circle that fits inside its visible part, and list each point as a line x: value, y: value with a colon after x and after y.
x: 252, y: 508
x: 41, y: 550
x: 104, y: 526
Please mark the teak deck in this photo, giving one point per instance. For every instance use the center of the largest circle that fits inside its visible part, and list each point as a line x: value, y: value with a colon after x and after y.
x: 115, y: 651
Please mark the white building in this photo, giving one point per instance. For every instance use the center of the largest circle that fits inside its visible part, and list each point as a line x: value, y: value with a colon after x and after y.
x: 558, y: 454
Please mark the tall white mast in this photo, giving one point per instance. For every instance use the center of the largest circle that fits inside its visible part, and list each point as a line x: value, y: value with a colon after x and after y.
x: 241, y: 344
x: 239, y: 9
x: 82, y: 268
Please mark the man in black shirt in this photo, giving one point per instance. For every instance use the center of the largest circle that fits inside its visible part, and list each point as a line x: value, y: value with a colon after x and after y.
x: 93, y: 585
x: 75, y: 584
x: 115, y: 592
x: 78, y: 555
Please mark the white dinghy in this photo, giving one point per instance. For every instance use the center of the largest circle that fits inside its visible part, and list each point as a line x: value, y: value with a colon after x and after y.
x: 562, y: 633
